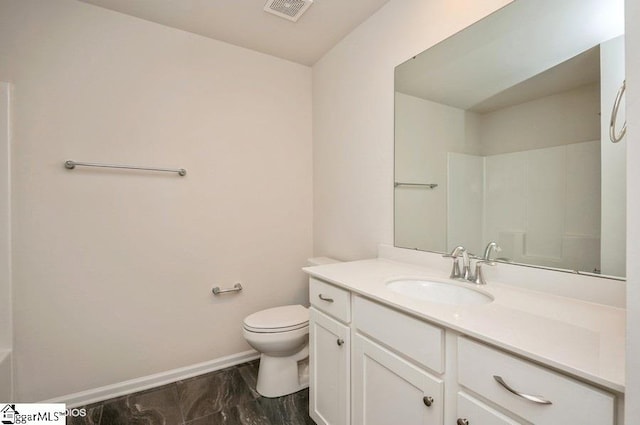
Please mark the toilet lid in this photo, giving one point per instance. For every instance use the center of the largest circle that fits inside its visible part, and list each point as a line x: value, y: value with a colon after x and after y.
x: 278, y: 319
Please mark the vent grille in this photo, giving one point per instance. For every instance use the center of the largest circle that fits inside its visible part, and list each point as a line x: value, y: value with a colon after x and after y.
x: 288, y: 9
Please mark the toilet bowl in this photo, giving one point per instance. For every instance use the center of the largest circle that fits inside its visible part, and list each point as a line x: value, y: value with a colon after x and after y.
x: 281, y: 335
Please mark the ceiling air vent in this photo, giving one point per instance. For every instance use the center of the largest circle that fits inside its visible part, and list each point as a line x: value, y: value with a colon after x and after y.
x: 288, y: 9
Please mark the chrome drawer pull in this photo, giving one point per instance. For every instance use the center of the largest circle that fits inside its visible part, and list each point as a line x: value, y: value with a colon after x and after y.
x: 323, y: 298
x: 428, y: 401
x: 463, y: 421
x: 535, y: 398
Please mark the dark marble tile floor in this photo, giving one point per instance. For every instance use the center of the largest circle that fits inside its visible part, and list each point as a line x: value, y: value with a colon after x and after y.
x: 225, y: 396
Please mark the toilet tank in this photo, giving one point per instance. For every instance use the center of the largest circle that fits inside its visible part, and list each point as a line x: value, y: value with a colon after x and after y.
x: 320, y: 261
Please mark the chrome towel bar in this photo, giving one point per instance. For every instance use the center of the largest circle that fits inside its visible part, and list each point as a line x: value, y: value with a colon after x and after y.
x: 70, y: 164
x: 236, y: 288
x: 428, y: 185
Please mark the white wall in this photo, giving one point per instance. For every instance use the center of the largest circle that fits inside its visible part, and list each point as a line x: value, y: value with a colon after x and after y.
x: 425, y: 132
x: 113, y: 270
x: 6, y: 325
x: 632, y: 60
x: 5, y: 217
x: 353, y: 99
x: 559, y: 119
x: 465, y: 202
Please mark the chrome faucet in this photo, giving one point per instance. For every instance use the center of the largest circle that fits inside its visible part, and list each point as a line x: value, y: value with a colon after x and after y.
x: 466, y: 268
x: 492, y: 247
x: 478, y: 276
x: 465, y: 274
x: 466, y: 265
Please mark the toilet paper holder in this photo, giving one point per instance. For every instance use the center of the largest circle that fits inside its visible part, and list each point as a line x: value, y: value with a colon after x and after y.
x: 236, y: 288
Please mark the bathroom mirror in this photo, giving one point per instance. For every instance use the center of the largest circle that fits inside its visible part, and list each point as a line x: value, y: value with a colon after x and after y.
x: 502, y: 134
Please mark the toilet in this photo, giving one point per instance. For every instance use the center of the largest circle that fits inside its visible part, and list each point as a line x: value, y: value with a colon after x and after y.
x: 281, y: 335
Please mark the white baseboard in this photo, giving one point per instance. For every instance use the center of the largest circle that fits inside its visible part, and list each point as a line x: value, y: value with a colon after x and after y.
x: 134, y: 385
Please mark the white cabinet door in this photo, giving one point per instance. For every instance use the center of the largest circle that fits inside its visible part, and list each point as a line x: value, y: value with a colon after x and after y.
x: 329, y: 345
x: 387, y: 389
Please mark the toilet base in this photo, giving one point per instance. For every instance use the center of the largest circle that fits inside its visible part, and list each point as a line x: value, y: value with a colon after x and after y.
x: 279, y: 376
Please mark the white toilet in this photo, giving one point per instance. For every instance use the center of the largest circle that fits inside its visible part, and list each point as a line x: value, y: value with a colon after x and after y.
x: 281, y: 335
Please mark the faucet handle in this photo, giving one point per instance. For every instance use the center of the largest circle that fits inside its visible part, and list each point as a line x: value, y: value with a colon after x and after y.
x: 478, y: 277
x: 455, y: 270
x: 455, y: 254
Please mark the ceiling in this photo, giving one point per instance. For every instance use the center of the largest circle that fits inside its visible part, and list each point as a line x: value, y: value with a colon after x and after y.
x: 581, y: 70
x: 245, y: 23
x: 478, y: 66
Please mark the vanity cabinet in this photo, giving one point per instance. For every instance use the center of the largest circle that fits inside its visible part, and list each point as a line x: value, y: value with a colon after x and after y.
x: 372, y: 364
x: 329, y: 354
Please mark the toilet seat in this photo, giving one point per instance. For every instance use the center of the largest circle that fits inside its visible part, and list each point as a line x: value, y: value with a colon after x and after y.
x: 278, y: 319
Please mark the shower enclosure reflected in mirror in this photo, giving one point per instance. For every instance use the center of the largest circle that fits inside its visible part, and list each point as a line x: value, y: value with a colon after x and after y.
x: 502, y: 134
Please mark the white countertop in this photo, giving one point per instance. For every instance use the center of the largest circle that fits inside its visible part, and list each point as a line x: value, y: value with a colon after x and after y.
x: 582, y: 339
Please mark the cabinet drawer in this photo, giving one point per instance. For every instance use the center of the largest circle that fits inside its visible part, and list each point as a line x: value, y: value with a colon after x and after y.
x: 330, y: 299
x: 474, y: 412
x: 418, y: 340
x: 570, y: 401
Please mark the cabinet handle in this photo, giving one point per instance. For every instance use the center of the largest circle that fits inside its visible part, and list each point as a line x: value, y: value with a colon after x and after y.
x: 340, y: 341
x: 323, y: 298
x: 534, y: 398
x: 462, y: 421
x: 428, y: 401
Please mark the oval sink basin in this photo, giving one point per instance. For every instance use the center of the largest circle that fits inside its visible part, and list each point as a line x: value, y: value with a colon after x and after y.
x: 438, y: 292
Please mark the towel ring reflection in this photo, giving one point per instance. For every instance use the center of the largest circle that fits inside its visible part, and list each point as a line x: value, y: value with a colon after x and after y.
x: 615, y: 138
